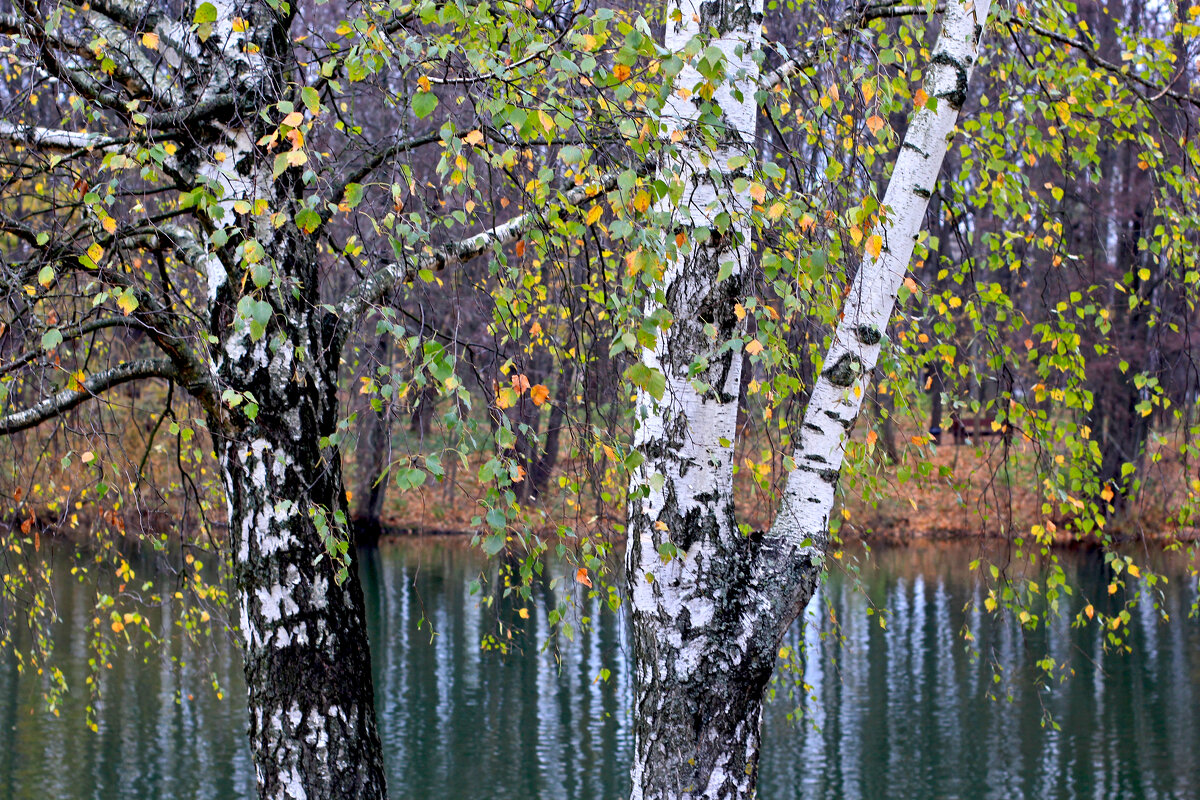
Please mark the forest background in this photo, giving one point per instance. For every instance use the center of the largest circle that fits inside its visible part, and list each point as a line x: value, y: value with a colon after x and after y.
x: 460, y: 217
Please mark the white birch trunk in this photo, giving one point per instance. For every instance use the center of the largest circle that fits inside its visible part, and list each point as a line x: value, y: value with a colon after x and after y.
x: 709, y: 605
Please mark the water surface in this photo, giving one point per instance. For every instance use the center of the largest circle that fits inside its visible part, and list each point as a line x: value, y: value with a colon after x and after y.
x: 906, y: 712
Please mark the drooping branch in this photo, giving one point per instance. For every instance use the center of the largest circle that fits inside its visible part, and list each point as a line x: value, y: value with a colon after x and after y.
x: 373, y: 162
x: 852, y: 20
x: 91, y: 386
x: 73, y: 332
x: 387, y: 278
x: 1090, y: 54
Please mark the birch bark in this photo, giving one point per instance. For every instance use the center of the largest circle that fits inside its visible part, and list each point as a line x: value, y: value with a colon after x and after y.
x: 307, y: 663
x: 709, y: 605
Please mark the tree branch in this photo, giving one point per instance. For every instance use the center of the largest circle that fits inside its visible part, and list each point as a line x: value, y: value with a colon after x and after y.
x: 92, y: 386
x: 73, y: 332
x: 1116, y: 69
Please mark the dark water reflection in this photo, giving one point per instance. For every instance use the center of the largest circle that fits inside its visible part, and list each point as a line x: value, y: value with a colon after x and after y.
x: 901, y: 713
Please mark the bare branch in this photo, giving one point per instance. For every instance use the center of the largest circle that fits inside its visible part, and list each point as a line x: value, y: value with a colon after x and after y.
x: 372, y: 163
x: 386, y: 278
x: 92, y: 386
x: 56, y: 139
x: 73, y: 332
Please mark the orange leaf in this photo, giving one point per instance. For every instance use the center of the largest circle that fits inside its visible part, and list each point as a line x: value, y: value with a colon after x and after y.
x: 473, y: 138
x: 581, y: 575
x: 874, y: 123
x: 754, y: 347
x: 520, y: 383
x: 621, y: 73
x: 521, y: 249
x: 872, y: 437
x: 539, y: 394
x: 758, y: 192
x: 920, y: 98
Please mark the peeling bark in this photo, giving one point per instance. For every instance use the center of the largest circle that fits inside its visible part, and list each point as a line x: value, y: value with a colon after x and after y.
x: 709, y: 603
x: 307, y: 663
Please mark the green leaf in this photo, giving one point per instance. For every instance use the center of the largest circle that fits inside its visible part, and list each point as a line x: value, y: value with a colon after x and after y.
x: 493, y: 544
x: 308, y: 220
x: 312, y: 101
x: 51, y: 339
x: 353, y: 194
x: 205, y: 12
x: 648, y: 378
x: 424, y: 104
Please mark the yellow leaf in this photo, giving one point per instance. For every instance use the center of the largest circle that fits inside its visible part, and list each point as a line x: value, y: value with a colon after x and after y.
x: 127, y: 302
x: 523, y: 613
x: 874, y: 245
x: 776, y: 211
x: 739, y: 311
x: 95, y: 252
x: 110, y: 224
x: 1112, y: 588
x: 546, y: 120
x: 506, y: 398
x: 296, y: 158
x: 240, y: 25
x: 423, y: 82
x: 539, y: 394
x: 293, y: 119
x: 594, y: 215
x: 150, y: 40
x: 473, y: 138
x: 1107, y: 493
x: 754, y: 347
x: 758, y: 192
x: 1134, y: 571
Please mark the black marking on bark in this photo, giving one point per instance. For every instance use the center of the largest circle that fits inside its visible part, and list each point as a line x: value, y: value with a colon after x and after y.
x: 812, y: 427
x: 958, y: 95
x: 845, y: 423
x: 845, y: 371
x: 868, y: 334
x: 728, y: 15
x: 921, y: 191
x: 915, y: 149
x: 830, y: 476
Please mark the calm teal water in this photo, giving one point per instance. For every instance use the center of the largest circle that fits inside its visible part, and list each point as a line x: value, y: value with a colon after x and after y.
x: 901, y: 713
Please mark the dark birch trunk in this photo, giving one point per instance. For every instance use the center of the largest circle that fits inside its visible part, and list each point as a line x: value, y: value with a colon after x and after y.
x: 275, y: 356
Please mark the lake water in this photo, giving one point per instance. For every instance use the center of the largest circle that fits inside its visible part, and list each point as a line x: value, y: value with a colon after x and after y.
x: 906, y: 712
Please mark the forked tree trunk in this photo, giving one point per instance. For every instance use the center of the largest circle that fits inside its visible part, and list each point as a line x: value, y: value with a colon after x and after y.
x: 709, y: 604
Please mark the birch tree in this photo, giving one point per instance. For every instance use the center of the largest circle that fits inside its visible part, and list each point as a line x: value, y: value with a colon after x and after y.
x: 174, y: 176
x: 710, y: 604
